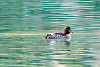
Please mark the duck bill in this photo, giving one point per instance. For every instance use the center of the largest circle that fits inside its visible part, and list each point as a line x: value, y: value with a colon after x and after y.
x: 70, y: 31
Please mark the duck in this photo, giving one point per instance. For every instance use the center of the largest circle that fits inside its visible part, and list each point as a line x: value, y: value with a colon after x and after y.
x: 65, y: 34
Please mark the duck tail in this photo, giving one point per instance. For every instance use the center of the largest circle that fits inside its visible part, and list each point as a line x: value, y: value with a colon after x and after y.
x: 47, y: 36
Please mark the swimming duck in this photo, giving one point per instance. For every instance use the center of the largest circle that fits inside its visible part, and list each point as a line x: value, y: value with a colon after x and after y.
x: 66, y: 34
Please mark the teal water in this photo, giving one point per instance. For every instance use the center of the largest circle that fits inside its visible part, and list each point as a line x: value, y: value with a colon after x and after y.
x: 24, y: 24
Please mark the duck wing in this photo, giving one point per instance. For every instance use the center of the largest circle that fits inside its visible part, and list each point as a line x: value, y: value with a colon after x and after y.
x: 62, y: 34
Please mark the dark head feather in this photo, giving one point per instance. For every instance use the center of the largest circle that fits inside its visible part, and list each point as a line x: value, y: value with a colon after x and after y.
x: 67, y: 30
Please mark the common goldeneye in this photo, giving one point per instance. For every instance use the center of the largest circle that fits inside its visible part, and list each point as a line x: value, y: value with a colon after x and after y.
x: 66, y: 34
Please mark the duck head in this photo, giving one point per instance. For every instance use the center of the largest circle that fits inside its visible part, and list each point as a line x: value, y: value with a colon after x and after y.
x: 67, y: 30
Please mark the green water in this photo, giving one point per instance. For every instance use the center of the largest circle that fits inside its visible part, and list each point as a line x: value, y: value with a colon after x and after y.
x: 24, y: 24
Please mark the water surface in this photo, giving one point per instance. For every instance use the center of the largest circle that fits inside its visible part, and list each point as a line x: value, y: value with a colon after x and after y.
x: 24, y: 24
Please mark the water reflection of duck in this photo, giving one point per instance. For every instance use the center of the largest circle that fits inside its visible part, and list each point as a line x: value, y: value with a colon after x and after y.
x: 60, y: 49
x: 58, y: 40
x: 66, y: 34
x: 67, y: 41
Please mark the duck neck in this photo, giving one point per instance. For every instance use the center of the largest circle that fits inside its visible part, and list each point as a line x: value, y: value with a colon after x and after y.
x: 65, y: 33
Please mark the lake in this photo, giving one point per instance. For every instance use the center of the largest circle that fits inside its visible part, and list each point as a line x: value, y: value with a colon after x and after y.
x: 24, y: 24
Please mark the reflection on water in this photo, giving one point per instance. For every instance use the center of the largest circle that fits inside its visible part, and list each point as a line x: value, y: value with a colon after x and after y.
x: 59, y: 40
x: 28, y: 15
x: 60, y: 47
x: 34, y: 50
x: 64, y: 41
